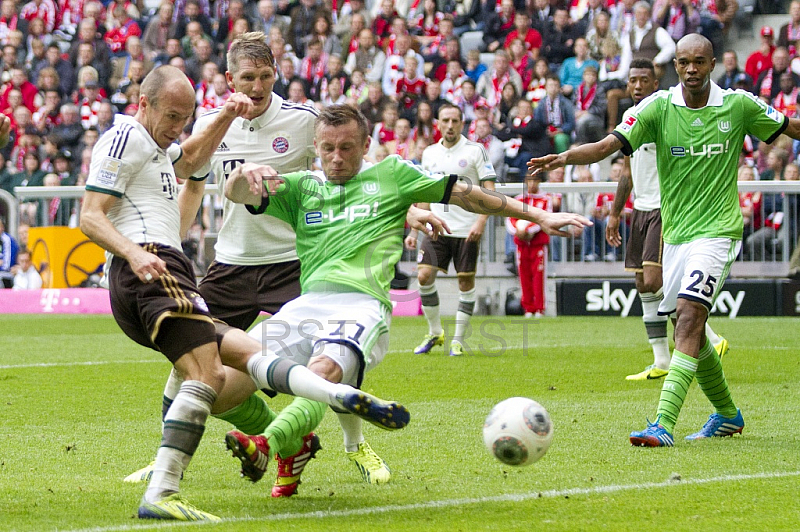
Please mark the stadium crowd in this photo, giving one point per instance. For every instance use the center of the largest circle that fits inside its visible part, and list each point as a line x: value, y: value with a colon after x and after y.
x: 531, y: 78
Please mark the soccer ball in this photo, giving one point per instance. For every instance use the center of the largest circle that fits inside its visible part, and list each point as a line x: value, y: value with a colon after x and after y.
x: 518, y: 431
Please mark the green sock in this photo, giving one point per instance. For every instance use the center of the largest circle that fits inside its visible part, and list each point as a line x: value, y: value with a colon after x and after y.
x: 251, y: 417
x: 712, y: 381
x: 676, y: 385
x: 285, y: 433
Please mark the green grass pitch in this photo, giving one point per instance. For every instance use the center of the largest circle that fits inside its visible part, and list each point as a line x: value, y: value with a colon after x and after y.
x: 81, y: 408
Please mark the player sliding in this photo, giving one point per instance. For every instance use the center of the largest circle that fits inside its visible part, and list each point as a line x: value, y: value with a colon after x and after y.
x: 349, y: 222
x: 131, y: 209
x: 698, y: 130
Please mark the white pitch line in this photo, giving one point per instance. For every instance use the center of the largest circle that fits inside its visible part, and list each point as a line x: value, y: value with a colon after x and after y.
x: 450, y: 503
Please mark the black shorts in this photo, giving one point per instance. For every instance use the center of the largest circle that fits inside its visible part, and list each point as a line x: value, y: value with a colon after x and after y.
x: 440, y: 252
x: 168, y: 315
x: 238, y: 294
x: 645, y: 246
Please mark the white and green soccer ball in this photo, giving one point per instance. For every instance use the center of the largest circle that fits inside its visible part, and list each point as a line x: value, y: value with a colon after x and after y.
x: 518, y: 431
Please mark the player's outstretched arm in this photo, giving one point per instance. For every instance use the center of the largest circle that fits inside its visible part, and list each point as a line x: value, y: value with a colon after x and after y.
x: 793, y: 129
x: 199, y: 147
x: 482, y: 201
x: 583, y: 154
x: 624, y: 187
x: 246, y: 183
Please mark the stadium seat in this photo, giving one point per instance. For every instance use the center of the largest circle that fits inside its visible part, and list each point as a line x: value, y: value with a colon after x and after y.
x: 470, y: 40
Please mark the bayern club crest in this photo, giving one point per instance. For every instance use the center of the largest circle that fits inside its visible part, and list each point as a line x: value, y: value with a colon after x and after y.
x: 280, y: 144
x: 462, y: 163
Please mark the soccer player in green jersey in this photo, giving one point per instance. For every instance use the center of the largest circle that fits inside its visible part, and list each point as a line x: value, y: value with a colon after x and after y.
x: 698, y: 130
x: 349, y: 222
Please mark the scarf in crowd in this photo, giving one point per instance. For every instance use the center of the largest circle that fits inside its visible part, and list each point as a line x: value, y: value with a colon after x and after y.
x: 313, y: 72
x: 787, y: 103
x: 766, y: 85
x: 497, y: 85
x: 485, y: 141
x: 519, y: 122
x: 52, y: 209
x: 553, y: 111
x: 585, y: 98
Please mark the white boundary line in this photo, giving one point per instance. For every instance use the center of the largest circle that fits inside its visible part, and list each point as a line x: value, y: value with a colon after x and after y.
x: 451, y: 503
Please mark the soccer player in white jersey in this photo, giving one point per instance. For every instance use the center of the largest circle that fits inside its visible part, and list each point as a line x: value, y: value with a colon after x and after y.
x: 256, y: 267
x: 132, y: 209
x: 698, y: 129
x: 644, y: 249
x: 349, y: 221
x: 453, y: 154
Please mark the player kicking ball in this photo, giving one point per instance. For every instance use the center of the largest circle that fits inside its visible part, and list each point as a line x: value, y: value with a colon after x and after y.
x: 349, y: 222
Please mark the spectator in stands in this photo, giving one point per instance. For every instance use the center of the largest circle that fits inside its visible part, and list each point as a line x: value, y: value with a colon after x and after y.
x: 433, y: 95
x: 10, y: 20
x: 105, y: 117
x: 383, y: 131
x: 116, y: 37
x: 5, y: 175
x: 730, y: 77
x: 89, y: 104
x: 286, y: 76
x: 768, y: 85
x: 424, y: 125
x: 226, y: 22
x: 297, y: 93
x: 506, y: 109
x: 716, y: 17
x: 531, y: 135
x: 402, y: 144
x: 468, y: 13
x: 749, y: 203
x: 498, y: 25
x: 530, y: 37
x: 599, y: 33
x: 624, y: 20
x: 302, y: 23
x: 590, y: 108
x: 558, y: 113
x: 535, y: 90
x: 395, y: 64
x: 192, y: 12
x: 678, y: 17
x: 53, y: 59
x: 372, y: 107
x: 786, y: 100
x: 425, y: 24
x: 358, y: 90
x: 764, y: 242
x: 202, y: 53
x: 19, y: 80
x: 47, y: 10
x: 87, y: 58
x: 344, y: 25
x: 25, y: 275
x: 761, y: 59
x: 312, y: 68
x: 494, y: 146
x: 69, y: 131
x: 612, y: 76
x: 648, y: 40
x: 54, y: 211
x: 368, y: 58
x: 383, y: 21
x: 62, y: 168
x: 520, y: 61
x: 451, y: 51
x: 8, y: 255
x: 88, y: 34
x: 336, y: 70
x: 571, y: 72
x: 267, y: 18
x: 474, y: 68
x: 160, y: 28
x: 350, y: 39
x: 559, y: 39
x: 491, y: 83
x: 789, y: 34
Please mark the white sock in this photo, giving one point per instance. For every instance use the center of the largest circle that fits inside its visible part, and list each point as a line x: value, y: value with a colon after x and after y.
x: 184, y: 425
x: 430, y: 307
x: 171, y: 389
x: 713, y: 337
x: 466, y: 306
x: 351, y: 429
x: 656, y: 327
x: 281, y: 375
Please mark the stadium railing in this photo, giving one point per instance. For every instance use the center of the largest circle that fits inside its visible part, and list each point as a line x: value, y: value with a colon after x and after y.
x: 769, y: 258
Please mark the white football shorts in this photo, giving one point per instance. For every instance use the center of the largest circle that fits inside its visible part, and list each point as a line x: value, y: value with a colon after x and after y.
x: 696, y: 271
x: 351, y: 328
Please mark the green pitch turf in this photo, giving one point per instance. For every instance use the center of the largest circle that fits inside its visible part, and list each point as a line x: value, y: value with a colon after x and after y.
x: 81, y: 406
